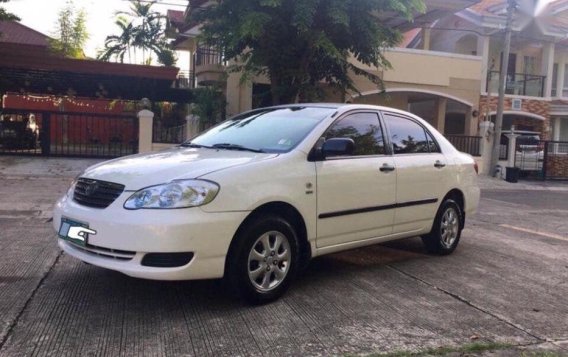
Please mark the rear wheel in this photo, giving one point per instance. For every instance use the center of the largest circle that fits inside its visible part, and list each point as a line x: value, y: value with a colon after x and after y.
x: 446, y: 231
x: 264, y: 260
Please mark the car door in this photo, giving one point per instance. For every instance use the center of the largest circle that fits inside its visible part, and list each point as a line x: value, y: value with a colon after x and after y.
x: 356, y: 193
x: 422, y: 173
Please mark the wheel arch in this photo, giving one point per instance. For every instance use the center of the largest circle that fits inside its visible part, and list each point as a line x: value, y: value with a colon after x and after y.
x: 458, y: 196
x: 288, y: 212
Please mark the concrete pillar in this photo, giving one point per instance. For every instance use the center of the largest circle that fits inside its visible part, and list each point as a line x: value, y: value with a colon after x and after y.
x: 511, y: 149
x: 483, y: 51
x: 560, y: 79
x: 145, y: 124
x: 547, y: 68
x: 486, y: 133
x: 440, y: 118
x: 556, y: 129
x: 470, y: 122
x: 192, y: 126
x: 426, y: 32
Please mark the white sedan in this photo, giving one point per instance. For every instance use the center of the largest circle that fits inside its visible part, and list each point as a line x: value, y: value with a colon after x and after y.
x: 256, y: 197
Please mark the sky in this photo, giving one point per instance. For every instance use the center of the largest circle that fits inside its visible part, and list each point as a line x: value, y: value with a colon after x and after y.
x: 41, y: 15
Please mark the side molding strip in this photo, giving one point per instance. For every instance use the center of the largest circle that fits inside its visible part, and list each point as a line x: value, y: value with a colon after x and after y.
x: 377, y: 208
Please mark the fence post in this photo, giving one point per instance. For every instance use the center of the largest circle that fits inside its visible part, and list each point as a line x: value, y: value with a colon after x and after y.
x: 192, y: 127
x: 485, y: 146
x: 45, y: 134
x: 512, y: 149
x: 145, y: 123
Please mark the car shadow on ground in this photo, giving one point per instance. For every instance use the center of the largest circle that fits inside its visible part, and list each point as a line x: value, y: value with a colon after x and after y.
x: 215, y: 293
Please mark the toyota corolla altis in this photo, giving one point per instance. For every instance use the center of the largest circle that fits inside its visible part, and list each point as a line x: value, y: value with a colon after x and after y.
x: 257, y: 196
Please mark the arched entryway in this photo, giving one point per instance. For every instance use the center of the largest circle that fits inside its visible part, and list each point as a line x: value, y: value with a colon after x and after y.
x: 449, y: 114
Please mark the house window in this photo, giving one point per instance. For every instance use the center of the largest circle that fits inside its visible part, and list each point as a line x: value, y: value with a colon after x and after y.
x: 554, y: 79
x: 529, y: 64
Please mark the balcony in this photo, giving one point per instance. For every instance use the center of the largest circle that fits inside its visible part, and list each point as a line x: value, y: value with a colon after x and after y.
x: 209, y: 66
x: 185, y: 80
x: 520, y: 84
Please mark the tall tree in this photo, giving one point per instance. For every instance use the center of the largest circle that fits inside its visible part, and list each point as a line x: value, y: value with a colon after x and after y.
x: 299, y: 43
x: 143, y: 29
x: 5, y: 15
x: 118, y: 46
x: 71, y: 32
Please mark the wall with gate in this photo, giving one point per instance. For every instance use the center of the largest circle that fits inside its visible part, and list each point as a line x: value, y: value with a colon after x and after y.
x: 55, y: 133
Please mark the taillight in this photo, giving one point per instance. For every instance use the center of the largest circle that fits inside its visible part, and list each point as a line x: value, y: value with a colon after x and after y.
x: 476, y: 168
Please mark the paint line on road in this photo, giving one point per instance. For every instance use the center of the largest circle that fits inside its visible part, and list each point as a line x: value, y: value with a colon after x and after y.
x: 543, y: 234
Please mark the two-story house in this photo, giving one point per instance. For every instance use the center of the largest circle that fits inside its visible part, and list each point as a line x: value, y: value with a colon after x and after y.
x: 446, y: 69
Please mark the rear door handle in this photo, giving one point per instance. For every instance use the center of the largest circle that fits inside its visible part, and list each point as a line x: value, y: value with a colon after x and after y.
x: 386, y: 168
x: 439, y: 164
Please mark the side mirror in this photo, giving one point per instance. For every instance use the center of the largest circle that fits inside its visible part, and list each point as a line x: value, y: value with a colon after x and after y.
x: 338, y: 147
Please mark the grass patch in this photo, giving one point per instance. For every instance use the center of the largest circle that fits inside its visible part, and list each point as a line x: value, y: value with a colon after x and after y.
x: 540, y: 354
x: 475, y: 347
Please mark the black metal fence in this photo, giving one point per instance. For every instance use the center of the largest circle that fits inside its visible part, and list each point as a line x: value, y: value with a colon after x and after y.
x: 555, y: 160
x: 50, y: 133
x: 185, y: 80
x: 518, y: 84
x: 468, y: 144
x: 208, y: 55
x: 168, y: 135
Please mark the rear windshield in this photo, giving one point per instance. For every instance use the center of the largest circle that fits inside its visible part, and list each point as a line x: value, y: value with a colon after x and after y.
x: 274, y: 130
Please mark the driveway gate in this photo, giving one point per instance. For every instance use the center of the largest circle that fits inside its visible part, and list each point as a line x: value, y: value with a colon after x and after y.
x: 25, y: 132
x: 542, y: 160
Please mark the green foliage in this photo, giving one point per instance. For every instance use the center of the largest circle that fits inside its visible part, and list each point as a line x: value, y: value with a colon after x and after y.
x: 71, y: 32
x: 141, y: 29
x: 5, y: 15
x: 299, y: 43
x: 209, y: 105
x: 476, y: 347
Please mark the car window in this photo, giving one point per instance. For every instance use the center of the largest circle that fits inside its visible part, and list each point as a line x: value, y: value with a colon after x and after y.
x: 364, y: 129
x: 272, y: 130
x: 432, y: 143
x: 406, y: 136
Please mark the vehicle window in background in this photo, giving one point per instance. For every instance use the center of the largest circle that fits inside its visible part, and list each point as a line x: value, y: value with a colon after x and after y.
x: 273, y: 130
x: 364, y: 129
x: 407, y: 137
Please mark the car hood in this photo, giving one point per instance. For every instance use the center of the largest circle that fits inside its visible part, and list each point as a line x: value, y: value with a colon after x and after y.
x: 142, y: 170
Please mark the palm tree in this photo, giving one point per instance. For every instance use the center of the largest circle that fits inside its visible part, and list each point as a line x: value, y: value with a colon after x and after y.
x: 149, y: 27
x: 117, y: 46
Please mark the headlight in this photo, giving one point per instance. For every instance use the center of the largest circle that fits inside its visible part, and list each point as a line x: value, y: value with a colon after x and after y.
x: 175, y: 194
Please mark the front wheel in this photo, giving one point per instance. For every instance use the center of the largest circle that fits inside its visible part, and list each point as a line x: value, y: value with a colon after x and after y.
x: 446, y: 231
x: 264, y: 260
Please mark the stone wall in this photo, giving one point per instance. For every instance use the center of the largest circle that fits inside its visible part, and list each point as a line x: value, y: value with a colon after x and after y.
x: 531, y: 106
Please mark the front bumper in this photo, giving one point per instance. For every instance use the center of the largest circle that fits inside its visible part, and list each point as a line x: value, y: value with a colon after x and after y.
x: 138, y: 232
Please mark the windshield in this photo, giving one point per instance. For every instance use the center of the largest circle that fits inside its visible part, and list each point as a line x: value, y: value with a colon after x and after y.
x: 274, y: 130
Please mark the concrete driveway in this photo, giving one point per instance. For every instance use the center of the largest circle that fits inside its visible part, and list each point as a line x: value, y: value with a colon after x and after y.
x: 505, y: 288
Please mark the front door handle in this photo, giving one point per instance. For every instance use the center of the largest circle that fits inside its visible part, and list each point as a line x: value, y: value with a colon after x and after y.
x: 439, y: 164
x: 386, y: 168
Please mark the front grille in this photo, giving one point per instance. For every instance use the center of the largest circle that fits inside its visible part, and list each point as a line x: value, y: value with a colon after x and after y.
x: 104, y: 252
x: 96, y: 193
x: 167, y: 260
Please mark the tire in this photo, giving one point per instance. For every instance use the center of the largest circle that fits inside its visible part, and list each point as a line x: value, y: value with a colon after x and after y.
x: 263, y: 260
x: 446, y: 230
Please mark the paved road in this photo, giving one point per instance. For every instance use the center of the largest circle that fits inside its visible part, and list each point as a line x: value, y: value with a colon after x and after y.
x: 507, y: 282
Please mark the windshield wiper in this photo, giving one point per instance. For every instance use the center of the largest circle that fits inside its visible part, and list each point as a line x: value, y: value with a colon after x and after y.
x: 191, y: 145
x: 229, y: 146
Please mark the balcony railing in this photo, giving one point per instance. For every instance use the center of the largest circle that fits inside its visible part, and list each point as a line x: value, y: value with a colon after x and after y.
x: 185, y: 80
x: 464, y: 143
x: 518, y: 84
x: 207, y: 56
